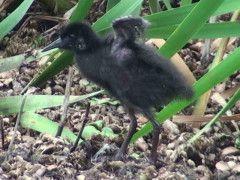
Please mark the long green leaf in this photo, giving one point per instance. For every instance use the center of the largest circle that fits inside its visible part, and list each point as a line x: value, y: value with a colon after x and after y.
x: 11, y: 105
x: 167, y: 4
x: 9, y: 63
x: 177, y: 15
x: 111, y: 4
x: 185, y: 2
x: 81, y: 10
x: 11, y: 21
x: 213, y: 30
x: 207, y: 82
x: 190, y: 25
x: 64, y: 60
x: 154, y: 6
x: 43, y: 125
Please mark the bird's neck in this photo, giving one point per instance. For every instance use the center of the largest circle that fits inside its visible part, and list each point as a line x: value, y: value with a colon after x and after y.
x: 93, y: 41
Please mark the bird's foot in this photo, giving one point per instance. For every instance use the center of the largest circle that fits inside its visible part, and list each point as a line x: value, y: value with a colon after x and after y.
x: 156, y: 162
x: 119, y: 156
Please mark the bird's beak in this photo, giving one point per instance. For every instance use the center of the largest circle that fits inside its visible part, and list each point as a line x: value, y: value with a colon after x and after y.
x: 55, y: 44
x: 59, y: 43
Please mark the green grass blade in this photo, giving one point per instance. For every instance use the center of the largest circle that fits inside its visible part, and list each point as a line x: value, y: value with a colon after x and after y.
x: 43, y: 125
x: 213, y: 30
x: 190, y: 25
x: 154, y: 6
x: 81, y: 10
x: 167, y: 4
x: 177, y: 15
x: 185, y: 2
x: 227, y: 67
x: 9, y: 63
x: 11, y: 21
x: 111, y: 4
x: 11, y: 105
x: 64, y: 60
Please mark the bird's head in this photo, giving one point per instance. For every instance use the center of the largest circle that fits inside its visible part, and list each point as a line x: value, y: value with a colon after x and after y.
x: 130, y: 28
x: 75, y: 36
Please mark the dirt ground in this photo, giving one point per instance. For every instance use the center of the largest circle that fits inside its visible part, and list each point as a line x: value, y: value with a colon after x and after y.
x: 41, y: 156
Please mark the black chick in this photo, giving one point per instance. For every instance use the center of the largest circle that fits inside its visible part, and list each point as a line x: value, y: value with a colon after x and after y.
x: 131, y: 71
x: 154, y: 80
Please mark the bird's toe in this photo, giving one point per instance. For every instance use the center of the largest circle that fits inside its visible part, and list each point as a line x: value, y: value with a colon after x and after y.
x: 119, y: 157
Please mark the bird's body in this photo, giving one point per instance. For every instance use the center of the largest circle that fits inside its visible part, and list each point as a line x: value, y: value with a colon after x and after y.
x: 134, y: 74
x: 130, y: 70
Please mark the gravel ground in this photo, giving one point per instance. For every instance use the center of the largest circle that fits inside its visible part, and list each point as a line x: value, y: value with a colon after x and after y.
x: 41, y: 156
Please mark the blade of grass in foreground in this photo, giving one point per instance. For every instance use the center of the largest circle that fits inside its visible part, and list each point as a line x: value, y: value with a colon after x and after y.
x: 214, y: 30
x: 185, y: 2
x: 194, y: 21
x: 177, y: 15
x: 81, y: 10
x: 43, y: 125
x: 11, y: 105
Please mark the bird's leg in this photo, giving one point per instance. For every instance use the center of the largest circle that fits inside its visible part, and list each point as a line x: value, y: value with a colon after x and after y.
x: 155, y: 140
x: 132, y: 129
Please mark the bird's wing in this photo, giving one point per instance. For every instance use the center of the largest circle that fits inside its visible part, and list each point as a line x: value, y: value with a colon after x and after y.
x: 121, y: 53
x: 147, y: 55
x: 130, y: 28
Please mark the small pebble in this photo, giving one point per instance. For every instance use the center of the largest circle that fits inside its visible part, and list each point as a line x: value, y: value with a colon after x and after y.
x: 171, y: 145
x: 230, y: 151
x: 170, y: 127
x: 120, y: 110
x: 47, y: 91
x: 81, y: 177
x: 231, y: 164
x: 141, y: 144
x: 142, y: 119
x: 223, y: 166
x: 58, y: 88
x: 236, y: 168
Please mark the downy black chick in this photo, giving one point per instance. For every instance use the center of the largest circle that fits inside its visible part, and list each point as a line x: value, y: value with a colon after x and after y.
x: 133, y: 73
x: 155, y: 81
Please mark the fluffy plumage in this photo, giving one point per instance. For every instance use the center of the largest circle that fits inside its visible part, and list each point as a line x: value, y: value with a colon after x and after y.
x: 127, y: 68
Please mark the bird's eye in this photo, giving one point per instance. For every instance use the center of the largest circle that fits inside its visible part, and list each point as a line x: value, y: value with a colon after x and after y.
x: 136, y: 28
x: 138, y: 33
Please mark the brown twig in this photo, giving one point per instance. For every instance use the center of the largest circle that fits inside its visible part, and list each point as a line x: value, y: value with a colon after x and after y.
x: 9, y: 151
x: 5, y: 4
x: 2, y: 132
x: 82, y: 127
x: 202, y: 118
x: 66, y: 101
x: 40, y: 17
